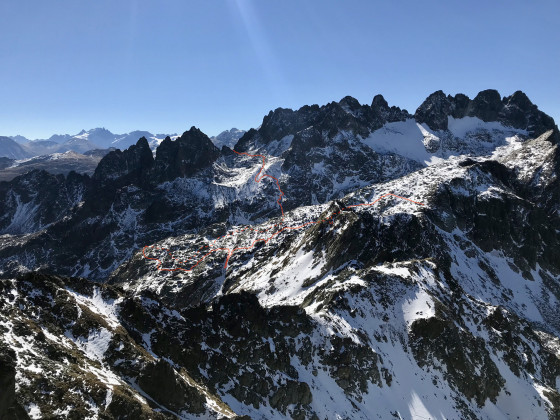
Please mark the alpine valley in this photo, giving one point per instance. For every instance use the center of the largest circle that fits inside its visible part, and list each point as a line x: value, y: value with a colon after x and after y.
x: 121, y: 297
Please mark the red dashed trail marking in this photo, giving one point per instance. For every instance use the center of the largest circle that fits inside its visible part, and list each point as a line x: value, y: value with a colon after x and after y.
x: 206, y: 250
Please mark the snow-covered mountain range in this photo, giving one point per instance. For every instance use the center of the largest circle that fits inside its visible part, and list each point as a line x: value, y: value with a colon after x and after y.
x: 96, y: 138
x: 63, y: 153
x: 228, y: 138
x: 411, y: 270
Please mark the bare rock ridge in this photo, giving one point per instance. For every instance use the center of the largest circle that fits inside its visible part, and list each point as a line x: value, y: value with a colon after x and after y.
x: 187, y: 155
x: 129, y: 164
x: 348, y: 114
x: 515, y: 111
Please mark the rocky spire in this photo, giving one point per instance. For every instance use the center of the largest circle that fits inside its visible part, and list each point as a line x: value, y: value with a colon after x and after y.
x: 190, y: 153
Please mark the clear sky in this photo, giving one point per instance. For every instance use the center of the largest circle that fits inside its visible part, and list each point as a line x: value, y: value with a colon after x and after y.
x: 166, y: 65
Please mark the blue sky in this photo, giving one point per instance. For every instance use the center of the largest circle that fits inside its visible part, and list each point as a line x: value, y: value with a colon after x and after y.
x: 164, y: 66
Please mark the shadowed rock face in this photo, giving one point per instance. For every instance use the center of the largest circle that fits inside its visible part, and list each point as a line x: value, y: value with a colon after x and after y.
x: 159, y: 380
x: 130, y: 165
x: 348, y: 114
x: 9, y: 407
x: 486, y: 106
x: 37, y: 199
x: 184, y: 157
x: 381, y: 109
x: 514, y: 111
x: 473, y: 373
x: 434, y: 111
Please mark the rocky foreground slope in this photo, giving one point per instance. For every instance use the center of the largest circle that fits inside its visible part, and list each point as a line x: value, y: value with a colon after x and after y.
x: 444, y: 309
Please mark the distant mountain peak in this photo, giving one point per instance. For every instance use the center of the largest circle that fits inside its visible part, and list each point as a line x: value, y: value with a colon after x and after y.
x: 11, y: 149
x: 19, y: 139
x: 228, y: 138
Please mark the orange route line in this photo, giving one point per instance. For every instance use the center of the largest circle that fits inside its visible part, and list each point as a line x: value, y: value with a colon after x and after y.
x: 258, y: 178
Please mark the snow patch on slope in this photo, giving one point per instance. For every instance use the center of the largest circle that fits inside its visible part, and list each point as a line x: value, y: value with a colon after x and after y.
x: 403, y: 138
x: 95, y: 345
x: 468, y: 135
x: 97, y: 304
x: 24, y: 218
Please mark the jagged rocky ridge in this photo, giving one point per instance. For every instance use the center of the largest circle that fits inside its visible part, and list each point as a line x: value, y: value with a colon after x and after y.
x: 442, y: 310
x: 317, y: 153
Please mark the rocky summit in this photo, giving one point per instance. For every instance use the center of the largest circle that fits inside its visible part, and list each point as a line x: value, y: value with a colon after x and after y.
x: 344, y: 261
